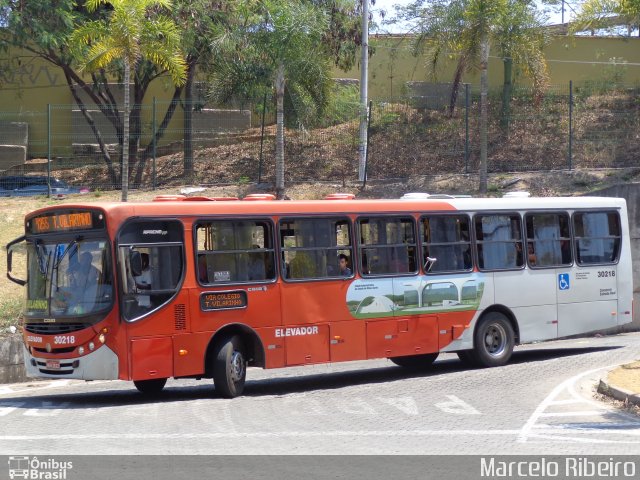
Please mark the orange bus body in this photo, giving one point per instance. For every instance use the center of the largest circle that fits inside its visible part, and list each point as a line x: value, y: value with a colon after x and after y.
x: 282, y: 322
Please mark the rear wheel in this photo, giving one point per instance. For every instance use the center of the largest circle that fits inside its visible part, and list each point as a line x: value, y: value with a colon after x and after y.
x: 229, y: 367
x: 150, y: 387
x: 493, y: 340
x: 415, y: 362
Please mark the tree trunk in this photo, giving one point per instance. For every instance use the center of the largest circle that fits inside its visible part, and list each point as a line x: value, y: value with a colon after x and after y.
x: 135, y: 132
x: 92, y: 124
x: 484, y: 87
x: 506, y: 93
x: 188, y: 130
x: 455, y: 88
x: 125, y: 132
x: 280, y: 132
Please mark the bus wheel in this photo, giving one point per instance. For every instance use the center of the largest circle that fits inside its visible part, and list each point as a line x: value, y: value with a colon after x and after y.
x: 150, y: 387
x: 466, y: 357
x: 229, y: 367
x: 415, y: 362
x: 493, y: 341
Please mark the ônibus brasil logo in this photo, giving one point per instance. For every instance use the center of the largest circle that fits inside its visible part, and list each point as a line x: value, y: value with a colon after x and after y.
x: 36, y: 469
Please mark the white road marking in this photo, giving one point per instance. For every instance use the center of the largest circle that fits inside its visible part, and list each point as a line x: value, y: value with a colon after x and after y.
x: 569, y: 401
x: 531, y: 428
x: 583, y: 413
x: 457, y: 406
x: 214, y: 435
x: 4, y: 411
x: 49, y: 409
x: 405, y: 404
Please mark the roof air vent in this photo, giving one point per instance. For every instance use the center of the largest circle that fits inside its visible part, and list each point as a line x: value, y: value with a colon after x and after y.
x: 518, y: 194
x: 169, y: 198
x: 259, y: 196
x: 340, y: 196
x: 415, y: 196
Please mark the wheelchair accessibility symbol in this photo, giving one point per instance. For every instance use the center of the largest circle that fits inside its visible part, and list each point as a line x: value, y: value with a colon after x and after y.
x: 563, y: 281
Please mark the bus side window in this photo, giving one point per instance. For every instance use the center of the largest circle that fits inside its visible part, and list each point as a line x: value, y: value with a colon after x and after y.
x: 499, y: 241
x: 235, y: 251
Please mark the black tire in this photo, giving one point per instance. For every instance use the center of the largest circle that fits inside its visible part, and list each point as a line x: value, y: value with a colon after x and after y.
x: 150, y: 387
x: 229, y: 367
x: 415, y: 362
x: 467, y: 358
x: 493, y: 340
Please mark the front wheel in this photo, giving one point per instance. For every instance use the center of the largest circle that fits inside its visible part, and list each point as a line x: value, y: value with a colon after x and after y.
x: 415, y: 362
x: 493, y: 340
x: 229, y: 367
x: 150, y: 387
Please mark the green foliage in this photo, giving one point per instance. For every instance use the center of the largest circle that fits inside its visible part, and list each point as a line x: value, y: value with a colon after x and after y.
x: 598, y: 14
x: 131, y: 30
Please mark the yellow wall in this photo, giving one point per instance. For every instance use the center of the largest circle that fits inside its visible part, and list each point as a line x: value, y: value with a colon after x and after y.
x: 28, y: 84
x: 392, y: 64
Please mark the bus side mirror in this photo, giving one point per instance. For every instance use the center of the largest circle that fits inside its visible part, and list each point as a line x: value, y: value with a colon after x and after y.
x: 10, y: 262
x: 135, y: 262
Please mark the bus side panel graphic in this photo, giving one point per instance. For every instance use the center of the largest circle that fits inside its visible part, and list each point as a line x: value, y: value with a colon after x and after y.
x: 386, y: 297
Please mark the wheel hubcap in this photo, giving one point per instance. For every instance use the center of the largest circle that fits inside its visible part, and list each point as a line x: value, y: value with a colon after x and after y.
x: 237, y: 366
x: 495, y: 340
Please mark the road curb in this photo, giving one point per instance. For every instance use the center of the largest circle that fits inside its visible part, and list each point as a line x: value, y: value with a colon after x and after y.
x: 621, y: 394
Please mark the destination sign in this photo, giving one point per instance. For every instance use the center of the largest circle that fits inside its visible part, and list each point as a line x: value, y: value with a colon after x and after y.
x: 65, y: 221
x: 223, y: 300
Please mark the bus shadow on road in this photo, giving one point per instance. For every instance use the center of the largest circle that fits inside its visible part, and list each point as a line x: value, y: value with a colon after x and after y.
x: 335, y: 380
x: 122, y: 394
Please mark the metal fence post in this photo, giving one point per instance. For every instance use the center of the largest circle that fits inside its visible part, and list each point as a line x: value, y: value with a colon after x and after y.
x: 570, y: 124
x: 466, y: 128
x: 366, y: 155
x: 153, y: 139
x: 49, y: 150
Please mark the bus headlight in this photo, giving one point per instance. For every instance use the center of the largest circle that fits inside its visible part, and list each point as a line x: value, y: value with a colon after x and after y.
x: 91, y: 346
x: 81, y: 350
x: 101, y: 338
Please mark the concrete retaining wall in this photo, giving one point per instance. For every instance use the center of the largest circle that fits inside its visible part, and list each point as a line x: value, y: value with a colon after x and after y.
x: 11, y: 363
x: 14, y: 138
x: 12, y: 155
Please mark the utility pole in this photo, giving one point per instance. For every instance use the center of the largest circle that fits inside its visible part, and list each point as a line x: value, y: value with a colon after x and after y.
x: 364, y: 93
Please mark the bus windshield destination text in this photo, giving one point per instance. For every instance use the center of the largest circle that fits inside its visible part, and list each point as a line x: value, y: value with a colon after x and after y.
x: 63, y: 221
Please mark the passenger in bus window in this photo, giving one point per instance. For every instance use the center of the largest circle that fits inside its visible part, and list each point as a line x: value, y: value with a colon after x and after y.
x: 143, y: 281
x: 343, y: 262
x: 531, y: 255
x: 256, y: 267
x: 203, y: 276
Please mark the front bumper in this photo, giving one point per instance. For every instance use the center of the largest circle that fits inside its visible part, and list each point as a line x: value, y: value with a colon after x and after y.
x: 101, y: 364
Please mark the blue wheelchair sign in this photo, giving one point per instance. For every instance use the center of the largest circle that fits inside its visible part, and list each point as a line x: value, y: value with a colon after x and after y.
x: 563, y: 281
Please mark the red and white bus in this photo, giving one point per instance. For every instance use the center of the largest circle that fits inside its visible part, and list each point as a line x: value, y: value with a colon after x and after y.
x: 194, y: 287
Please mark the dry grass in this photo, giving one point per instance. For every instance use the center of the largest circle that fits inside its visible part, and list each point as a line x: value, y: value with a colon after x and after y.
x: 626, y: 377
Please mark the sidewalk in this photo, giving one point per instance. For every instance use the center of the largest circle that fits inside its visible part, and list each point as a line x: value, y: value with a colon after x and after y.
x: 623, y: 383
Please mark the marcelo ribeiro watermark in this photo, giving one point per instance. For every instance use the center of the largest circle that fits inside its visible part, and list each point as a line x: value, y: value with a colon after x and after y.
x: 567, y: 467
x: 35, y: 468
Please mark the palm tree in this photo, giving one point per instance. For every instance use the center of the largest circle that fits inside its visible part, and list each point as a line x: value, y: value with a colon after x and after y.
x: 276, y: 46
x: 131, y: 30
x: 596, y: 14
x: 467, y: 30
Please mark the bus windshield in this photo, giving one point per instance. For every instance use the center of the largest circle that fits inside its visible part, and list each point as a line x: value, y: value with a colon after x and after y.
x: 68, y: 279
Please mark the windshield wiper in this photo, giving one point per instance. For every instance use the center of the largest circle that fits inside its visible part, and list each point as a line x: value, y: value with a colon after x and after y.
x: 72, y: 244
x: 42, y: 266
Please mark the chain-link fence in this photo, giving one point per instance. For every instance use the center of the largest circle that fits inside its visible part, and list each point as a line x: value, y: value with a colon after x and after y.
x: 571, y: 126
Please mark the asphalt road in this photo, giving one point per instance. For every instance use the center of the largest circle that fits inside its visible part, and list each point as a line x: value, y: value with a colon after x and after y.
x: 541, y: 403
